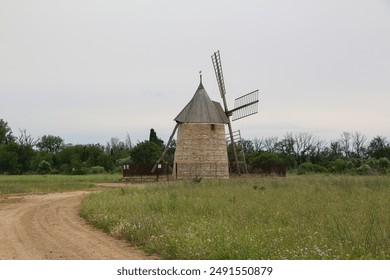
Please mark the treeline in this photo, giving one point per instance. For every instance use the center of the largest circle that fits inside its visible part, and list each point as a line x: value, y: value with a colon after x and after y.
x: 51, y: 155
x: 306, y: 153
x: 301, y: 152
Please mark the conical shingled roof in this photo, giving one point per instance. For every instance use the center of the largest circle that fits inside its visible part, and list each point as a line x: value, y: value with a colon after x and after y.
x: 202, y: 110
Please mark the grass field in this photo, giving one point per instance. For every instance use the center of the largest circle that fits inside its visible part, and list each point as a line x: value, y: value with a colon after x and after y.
x: 298, y: 217
x: 50, y: 183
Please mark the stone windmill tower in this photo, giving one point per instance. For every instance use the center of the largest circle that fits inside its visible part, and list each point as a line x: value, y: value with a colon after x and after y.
x: 201, y: 142
x: 201, y: 149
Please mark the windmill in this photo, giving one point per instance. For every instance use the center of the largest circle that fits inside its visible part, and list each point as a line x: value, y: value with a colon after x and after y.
x: 201, y: 141
x: 244, y: 106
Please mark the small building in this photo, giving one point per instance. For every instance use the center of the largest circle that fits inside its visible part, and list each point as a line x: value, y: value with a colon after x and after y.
x: 201, y: 149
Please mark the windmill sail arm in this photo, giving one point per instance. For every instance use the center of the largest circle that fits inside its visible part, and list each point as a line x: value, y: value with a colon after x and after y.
x: 221, y: 83
x: 229, y: 113
x: 218, y: 72
x: 248, y: 94
x: 245, y: 105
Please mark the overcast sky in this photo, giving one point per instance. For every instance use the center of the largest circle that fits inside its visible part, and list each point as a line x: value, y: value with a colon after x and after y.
x: 89, y: 70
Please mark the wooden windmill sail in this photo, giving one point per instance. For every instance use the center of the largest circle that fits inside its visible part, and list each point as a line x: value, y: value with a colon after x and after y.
x: 244, y: 106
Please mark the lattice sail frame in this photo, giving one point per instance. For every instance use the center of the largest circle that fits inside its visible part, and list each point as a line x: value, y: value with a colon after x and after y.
x: 236, y: 136
x: 216, y: 58
x: 245, y: 105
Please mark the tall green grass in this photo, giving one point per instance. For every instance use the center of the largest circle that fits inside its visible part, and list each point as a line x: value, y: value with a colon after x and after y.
x: 298, y: 217
x: 17, y: 184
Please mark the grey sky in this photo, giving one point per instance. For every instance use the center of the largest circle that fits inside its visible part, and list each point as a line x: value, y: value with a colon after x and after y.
x: 89, y: 70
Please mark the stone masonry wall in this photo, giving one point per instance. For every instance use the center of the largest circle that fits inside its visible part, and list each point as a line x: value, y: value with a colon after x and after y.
x: 201, y: 151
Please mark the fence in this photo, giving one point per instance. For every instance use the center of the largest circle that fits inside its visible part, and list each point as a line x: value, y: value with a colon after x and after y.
x: 144, y: 170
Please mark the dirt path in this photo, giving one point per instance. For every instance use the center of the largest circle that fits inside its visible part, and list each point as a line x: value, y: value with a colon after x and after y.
x: 49, y: 227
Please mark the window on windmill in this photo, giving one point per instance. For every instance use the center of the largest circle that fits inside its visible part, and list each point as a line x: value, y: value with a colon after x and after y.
x: 212, y: 126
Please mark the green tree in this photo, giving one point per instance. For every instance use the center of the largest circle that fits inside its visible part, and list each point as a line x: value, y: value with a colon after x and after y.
x: 50, y: 143
x: 80, y: 158
x: 38, y: 157
x: 146, y: 152
x: 170, y: 153
x: 118, y: 149
x: 359, y: 145
x: 266, y: 158
x: 9, y: 158
x: 68, y: 158
x: 26, y: 144
x: 247, y: 146
x: 379, y: 147
x: 285, y: 148
x: 153, y: 138
x: 6, y: 136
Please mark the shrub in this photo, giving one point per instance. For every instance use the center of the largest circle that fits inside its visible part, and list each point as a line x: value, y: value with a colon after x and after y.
x: 340, y: 166
x: 384, y: 163
x: 81, y: 171
x: 67, y: 169
x: 308, y: 167
x: 373, y: 163
x: 44, y: 167
x: 350, y: 165
x: 117, y: 169
x: 97, y: 169
x: 365, y: 169
x: 55, y: 171
x: 267, y: 163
